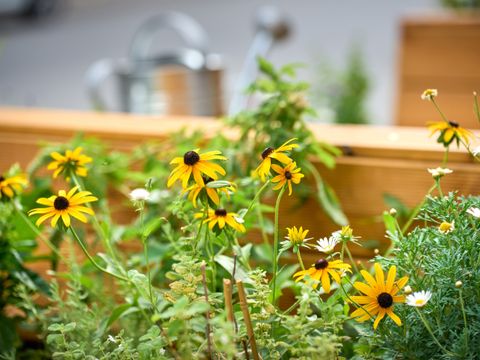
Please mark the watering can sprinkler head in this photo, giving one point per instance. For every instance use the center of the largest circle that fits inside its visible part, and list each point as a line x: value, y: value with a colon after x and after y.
x: 269, y: 19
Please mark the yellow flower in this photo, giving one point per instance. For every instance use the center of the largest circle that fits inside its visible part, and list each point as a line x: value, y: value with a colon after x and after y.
x: 270, y: 153
x: 297, y: 236
x: 195, y: 190
x: 379, y: 295
x: 446, y: 227
x: 321, y: 272
x: 73, y: 161
x: 220, y: 217
x: 63, y: 206
x: 197, y: 164
x: 287, y: 175
x: 11, y: 185
x: 449, y: 131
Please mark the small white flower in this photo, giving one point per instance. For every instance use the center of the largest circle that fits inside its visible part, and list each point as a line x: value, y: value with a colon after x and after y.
x: 139, y: 194
x: 439, y: 172
x: 419, y: 299
x: 429, y: 94
x: 111, y: 339
x: 476, y: 151
x: 326, y: 245
x: 474, y: 212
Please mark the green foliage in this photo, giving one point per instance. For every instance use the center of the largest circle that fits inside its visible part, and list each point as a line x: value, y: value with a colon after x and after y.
x: 436, y: 261
x: 461, y: 4
x: 345, y: 92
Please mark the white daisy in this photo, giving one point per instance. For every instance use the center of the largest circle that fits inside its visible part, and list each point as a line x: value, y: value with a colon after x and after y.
x: 419, y: 298
x: 139, y: 194
x: 439, y: 172
x: 326, y: 245
x: 474, y: 212
x: 476, y: 151
x: 429, y: 94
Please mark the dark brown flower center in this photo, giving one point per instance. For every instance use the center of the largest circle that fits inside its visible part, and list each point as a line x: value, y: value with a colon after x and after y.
x: 61, y: 203
x: 191, y: 158
x: 385, y: 300
x: 321, y: 264
x: 453, y: 124
x: 267, y: 152
x: 288, y: 175
x: 221, y: 212
x: 1, y: 178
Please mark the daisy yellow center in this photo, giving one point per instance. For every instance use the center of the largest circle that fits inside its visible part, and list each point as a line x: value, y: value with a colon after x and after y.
x: 267, y: 152
x: 453, y: 124
x: 221, y: 212
x: 445, y: 226
x: 288, y: 175
x: 191, y: 158
x: 385, y: 300
x: 321, y: 264
x: 60, y: 203
x: 419, y: 301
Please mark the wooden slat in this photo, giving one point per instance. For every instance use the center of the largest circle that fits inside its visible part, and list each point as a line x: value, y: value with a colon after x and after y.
x: 441, y: 53
x: 378, y: 160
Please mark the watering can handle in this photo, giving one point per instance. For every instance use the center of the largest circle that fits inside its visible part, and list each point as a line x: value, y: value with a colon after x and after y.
x: 95, y: 76
x: 191, y: 32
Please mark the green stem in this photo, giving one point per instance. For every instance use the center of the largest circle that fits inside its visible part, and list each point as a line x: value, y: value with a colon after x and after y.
x: 38, y: 232
x: 92, y: 260
x: 417, y: 210
x: 261, y: 223
x: 438, y: 109
x: 350, y: 257
x: 275, y: 244
x: 256, y: 198
x: 429, y: 329
x: 299, y: 256
x: 145, y: 253
x: 462, y: 306
x: 445, y: 156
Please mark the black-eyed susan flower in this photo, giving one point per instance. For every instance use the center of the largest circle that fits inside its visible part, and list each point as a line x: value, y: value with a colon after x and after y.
x: 196, y: 189
x: 419, y: 298
x: 11, y: 185
x: 220, y: 218
x: 321, y: 272
x: 286, y: 175
x: 193, y: 163
x: 449, y: 131
x: 270, y: 153
x: 70, y: 162
x: 64, y: 205
x: 379, y: 297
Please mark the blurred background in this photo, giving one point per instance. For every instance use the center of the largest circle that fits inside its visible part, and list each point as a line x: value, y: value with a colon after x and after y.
x: 48, y: 49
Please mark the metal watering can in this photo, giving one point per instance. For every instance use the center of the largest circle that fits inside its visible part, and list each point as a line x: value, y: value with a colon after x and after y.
x: 186, y: 81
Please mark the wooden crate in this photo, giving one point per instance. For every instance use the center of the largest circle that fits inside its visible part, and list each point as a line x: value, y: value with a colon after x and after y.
x: 439, y: 52
x: 377, y: 160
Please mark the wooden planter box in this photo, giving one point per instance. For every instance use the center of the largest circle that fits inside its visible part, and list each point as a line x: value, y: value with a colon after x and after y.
x: 439, y: 51
x: 377, y: 161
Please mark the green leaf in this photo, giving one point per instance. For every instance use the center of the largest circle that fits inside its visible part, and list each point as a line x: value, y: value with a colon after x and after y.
x: 390, y: 222
x: 267, y: 68
x: 152, y: 226
x: 330, y: 203
x: 218, y: 184
x: 55, y: 327
x: 70, y: 327
x: 117, y: 313
x: 227, y: 263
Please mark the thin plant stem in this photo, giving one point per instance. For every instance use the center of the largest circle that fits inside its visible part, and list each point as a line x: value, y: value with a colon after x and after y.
x: 445, y: 156
x: 145, y: 252
x: 207, y: 314
x: 92, y: 260
x: 37, y: 232
x: 256, y: 198
x: 261, y: 223
x: 299, y: 256
x: 438, y: 109
x: 462, y: 306
x: 275, y: 244
x: 429, y: 329
x: 350, y: 257
x: 417, y: 210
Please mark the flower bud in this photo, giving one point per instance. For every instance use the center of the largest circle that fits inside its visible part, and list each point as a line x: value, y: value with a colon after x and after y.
x: 393, y: 212
x: 408, y: 290
x: 458, y: 284
x: 376, y: 251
